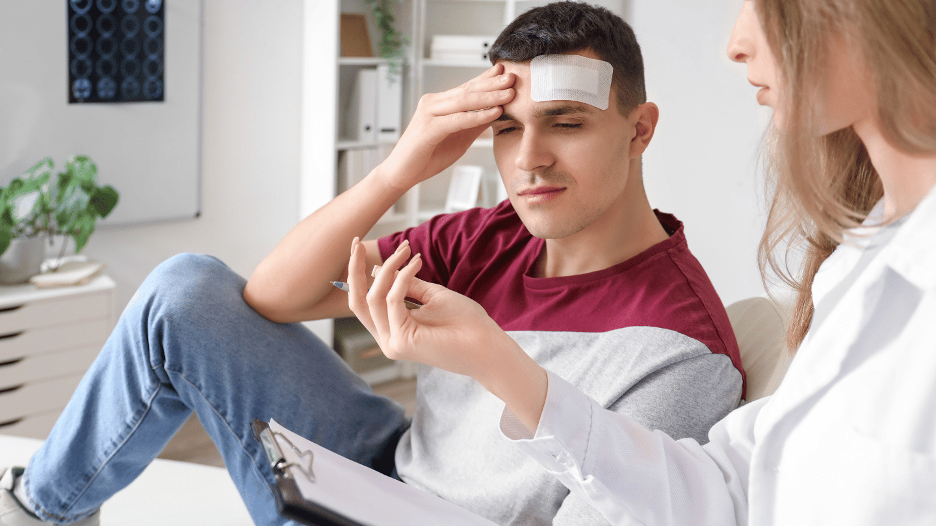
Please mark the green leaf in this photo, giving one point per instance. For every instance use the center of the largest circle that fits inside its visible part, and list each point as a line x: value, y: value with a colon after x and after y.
x: 6, y: 237
x: 64, y: 180
x: 42, y: 167
x: 84, y: 227
x: 82, y: 168
x: 104, y: 200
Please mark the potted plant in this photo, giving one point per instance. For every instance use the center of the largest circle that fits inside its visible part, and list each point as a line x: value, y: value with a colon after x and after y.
x: 392, y: 42
x: 34, y: 208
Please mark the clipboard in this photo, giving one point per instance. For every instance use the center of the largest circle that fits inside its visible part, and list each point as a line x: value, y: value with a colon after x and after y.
x: 289, y: 501
x: 318, y: 487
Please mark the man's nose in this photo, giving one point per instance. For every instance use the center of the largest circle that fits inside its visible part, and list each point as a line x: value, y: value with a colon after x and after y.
x: 533, y: 153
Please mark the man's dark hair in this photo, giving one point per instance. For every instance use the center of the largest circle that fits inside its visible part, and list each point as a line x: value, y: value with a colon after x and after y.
x: 563, y: 27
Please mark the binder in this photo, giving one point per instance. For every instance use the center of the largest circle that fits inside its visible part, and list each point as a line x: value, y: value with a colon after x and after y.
x: 317, y: 487
x: 362, y: 110
x: 389, y: 104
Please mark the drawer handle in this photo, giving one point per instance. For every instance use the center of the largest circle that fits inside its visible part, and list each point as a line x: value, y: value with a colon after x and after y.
x: 6, y: 390
x: 11, y: 422
x: 11, y: 362
x: 11, y: 335
x: 10, y: 309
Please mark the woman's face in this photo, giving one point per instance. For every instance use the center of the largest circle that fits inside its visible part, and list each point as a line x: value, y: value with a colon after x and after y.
x: 848, y: 96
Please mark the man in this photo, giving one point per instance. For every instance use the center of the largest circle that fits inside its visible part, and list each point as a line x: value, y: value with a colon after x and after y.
x: 579, y: 269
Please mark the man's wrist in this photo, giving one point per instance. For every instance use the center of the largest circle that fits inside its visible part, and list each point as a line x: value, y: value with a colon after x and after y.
x: 390, y: 178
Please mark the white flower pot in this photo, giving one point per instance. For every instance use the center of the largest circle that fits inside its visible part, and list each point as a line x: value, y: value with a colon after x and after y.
x: 22, y: 260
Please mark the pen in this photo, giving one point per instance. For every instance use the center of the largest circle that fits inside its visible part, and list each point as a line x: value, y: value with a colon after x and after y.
x: 341, y: 285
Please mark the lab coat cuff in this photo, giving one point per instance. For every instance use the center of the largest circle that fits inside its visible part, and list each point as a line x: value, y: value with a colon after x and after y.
x: 560, y: 443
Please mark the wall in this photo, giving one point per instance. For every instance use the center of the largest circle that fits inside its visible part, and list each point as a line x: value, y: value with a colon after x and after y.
x: 701, y: 164
x: 250, y: 148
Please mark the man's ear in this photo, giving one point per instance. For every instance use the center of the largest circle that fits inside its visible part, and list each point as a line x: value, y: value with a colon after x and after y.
x: 644, y: 119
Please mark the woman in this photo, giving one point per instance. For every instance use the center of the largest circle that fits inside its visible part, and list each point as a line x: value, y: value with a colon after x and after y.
x: 849, y: 437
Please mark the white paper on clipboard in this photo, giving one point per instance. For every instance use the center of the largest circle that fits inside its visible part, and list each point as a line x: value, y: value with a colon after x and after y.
x: 364, y: 495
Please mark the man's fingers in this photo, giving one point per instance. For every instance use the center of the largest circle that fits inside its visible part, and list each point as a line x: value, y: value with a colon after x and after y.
x: 453, y: 103
x: 488, y: 83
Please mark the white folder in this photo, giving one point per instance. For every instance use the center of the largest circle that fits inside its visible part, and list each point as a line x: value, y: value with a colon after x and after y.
x: 389, y: 103
x: 362, y: 110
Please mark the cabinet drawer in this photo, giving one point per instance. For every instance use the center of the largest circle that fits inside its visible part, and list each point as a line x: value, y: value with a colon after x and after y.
x: 43, y: 340
x: 45, y: 366
x: 35, y: 426
x: 53, y: 311
x: 37, y: 397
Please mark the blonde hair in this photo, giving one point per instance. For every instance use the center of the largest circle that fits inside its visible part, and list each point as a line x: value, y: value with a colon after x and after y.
x: 822, y: 185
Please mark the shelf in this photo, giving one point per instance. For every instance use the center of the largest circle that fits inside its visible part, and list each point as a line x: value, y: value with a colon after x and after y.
x: 361, y: 61
x: 454, y: 63
x: 471, y: 1
x: 360, y: 145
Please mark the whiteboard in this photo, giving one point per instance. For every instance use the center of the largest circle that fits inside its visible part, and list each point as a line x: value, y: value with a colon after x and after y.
x: 148, y: 151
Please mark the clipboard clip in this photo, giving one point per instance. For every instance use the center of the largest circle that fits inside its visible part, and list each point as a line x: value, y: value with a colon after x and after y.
x: 267, y: 438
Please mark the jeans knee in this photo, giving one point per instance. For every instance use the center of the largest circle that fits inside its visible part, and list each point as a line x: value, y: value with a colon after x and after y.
x: 187, y: 281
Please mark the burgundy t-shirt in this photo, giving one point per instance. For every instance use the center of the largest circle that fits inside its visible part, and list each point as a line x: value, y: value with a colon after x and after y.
x: 489, y: 256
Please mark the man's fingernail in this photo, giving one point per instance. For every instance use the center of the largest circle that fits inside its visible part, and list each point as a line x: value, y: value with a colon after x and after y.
x: 373, y: 272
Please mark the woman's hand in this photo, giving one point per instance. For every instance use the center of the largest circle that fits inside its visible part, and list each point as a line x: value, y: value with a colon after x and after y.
x: 449, y: 331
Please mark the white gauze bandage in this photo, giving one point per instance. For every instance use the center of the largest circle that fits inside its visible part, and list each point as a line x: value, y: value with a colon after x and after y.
x: 571, y: 77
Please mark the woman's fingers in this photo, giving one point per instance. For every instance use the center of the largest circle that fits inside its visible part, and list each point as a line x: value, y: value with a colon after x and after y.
x: 357, y: 282
x: 377, y: 296
x: 396, y: 308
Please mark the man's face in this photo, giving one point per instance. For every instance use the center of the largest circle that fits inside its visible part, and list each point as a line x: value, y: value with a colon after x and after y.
x: 565, y: 164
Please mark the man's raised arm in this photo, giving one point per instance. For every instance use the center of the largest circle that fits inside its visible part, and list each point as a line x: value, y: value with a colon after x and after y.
x: 292, y: 283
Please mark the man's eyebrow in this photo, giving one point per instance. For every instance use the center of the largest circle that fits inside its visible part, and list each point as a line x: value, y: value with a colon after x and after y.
x: 566, y: 109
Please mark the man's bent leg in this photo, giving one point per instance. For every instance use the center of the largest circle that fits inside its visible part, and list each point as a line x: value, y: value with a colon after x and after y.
x: 187, y: 341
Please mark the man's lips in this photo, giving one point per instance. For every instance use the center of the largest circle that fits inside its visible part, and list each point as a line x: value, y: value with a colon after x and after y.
x: 541, y: 190
x: 542, y: 194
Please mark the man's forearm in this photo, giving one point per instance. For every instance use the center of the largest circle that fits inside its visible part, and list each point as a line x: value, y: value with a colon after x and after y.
x: 295, y: 277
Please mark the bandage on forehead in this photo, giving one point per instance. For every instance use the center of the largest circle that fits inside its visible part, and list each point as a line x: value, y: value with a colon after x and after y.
x: 571, y: 77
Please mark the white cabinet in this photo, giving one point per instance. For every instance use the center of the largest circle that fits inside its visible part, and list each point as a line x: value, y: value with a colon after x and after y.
x: 48, y: 339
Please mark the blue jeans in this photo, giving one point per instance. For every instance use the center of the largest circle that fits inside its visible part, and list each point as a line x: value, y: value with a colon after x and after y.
x: 188, y: 342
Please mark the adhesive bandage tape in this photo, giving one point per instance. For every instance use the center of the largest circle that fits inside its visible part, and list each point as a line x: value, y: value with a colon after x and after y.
x: 571, y: 77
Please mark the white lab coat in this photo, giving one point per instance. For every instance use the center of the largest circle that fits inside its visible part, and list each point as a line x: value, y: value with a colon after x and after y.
x: 848, y: 438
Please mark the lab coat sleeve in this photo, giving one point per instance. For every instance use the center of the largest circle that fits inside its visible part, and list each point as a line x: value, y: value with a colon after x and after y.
x: 635, y: 476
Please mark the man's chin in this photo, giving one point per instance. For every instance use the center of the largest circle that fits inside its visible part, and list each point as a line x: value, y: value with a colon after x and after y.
x: 542, y: 231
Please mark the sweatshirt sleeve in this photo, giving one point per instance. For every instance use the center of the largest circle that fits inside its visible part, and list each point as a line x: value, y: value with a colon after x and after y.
x: 635, y: 476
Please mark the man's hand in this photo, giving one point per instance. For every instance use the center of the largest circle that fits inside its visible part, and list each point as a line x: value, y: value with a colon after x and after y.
x: 450, y: 331
x: 444, y: 126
